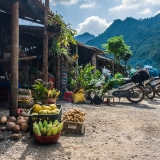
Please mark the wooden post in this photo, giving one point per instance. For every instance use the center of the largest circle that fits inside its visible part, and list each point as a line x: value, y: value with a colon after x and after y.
x: 45, y: 43
x: 77, y: 58
x: 58, y: 73
x: 14, y: 59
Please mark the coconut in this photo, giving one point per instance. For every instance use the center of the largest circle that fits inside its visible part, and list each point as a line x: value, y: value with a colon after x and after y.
x: 3, y: 120
x: 10, y: 125
x: 16, y: 128
x: 20, y: 117
x: 26, y: 118
x: 20, y: 121
x: 12, y: 119
x: 24, y: 127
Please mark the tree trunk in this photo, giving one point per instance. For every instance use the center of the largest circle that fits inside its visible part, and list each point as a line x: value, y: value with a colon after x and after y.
x: 58, y: 73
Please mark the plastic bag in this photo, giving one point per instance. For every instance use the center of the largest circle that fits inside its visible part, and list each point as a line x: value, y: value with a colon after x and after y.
x: 78, y: 98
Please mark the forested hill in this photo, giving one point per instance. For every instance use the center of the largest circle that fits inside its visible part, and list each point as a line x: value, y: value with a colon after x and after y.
x: 142, y: 35
x: 84, y: 37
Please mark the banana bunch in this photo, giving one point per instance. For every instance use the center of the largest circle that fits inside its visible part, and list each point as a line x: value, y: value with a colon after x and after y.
x: 54, y: 93
x: 47, y: 129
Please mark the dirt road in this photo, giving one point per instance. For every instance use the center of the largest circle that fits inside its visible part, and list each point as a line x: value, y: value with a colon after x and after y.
x: 122, y: 132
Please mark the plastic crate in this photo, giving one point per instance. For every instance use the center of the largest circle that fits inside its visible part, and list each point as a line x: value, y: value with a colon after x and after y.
x: 47, y: 117
x: 47, y: 139
x: 74, y: 127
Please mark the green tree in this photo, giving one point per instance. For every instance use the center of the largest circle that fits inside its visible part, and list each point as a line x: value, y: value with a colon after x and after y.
x: 125, y: 57
x: 118, y: 48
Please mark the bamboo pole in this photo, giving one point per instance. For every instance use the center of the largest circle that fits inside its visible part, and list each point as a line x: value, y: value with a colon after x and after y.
x: 14, y: 59
x: 45, y: 44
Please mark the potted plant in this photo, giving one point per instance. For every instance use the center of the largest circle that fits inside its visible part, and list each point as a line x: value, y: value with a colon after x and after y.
x: 40, y: 91
x: 53, y: 94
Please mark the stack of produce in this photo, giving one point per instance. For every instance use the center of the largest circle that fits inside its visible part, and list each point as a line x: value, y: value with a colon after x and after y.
x: 47, y: 129
x: 74, y: 116
x: 14, y: 124
x: 44, y: 109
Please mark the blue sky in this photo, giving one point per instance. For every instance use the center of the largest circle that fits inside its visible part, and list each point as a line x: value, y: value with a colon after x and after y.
x: 94, y: 16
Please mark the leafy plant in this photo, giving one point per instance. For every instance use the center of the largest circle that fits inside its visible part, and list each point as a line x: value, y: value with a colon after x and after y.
x: 40, y: 91
x: 117, y: 80
x: 85, y: 79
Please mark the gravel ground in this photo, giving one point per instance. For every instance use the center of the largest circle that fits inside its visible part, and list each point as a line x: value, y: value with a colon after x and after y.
x: 125, y: 131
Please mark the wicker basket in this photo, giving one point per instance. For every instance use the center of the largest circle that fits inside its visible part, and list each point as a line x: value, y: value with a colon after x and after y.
x: 47, y: 117
x: 74, y: 127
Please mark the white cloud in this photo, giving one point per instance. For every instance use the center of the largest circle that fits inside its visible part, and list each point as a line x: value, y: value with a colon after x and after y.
x: 127, y: 4
x: 63, y: 2
x: 153, y: 2
x: 158, y: 12
x: 146, y: 11
x: 134, y: 4
x: 94, y: 25
x: 90, y: 5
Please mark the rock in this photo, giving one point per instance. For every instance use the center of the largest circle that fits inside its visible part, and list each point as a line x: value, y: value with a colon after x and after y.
x: 16, y: 136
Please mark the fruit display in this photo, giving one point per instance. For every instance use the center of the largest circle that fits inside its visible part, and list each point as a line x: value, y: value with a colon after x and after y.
x: 14, y: 124
x: 47, y: 128
x: 74, y: 116
x: 38, y: 109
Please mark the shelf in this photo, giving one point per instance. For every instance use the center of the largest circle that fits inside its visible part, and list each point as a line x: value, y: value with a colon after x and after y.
x: 20, y: 59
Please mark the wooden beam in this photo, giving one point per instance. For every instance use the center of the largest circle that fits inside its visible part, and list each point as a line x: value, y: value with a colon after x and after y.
x: 14, y: 59
x: 20, y: 59
x: 45, y: 44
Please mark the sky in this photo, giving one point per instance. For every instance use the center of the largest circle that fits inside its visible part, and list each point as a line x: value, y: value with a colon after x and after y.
x: 95, y: 16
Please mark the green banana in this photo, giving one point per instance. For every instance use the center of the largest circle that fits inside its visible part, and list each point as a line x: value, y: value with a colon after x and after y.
x: 44, y: 131
x: 54, y: 130
x: 36, y: 129
x: 49, y: 125
x: 50, y: 122
x: 49, y: 131
x: 45, y: 123
x: 40, y: 125
x: 55, y: 122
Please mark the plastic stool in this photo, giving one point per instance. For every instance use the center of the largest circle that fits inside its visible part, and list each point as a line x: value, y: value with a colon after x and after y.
x: 67, y: 96
x: 109, y: 97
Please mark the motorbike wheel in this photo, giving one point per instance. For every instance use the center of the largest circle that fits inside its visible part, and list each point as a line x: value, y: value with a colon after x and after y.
x: 149, y: 91
x: 137, y: 90
x: 157, y: 89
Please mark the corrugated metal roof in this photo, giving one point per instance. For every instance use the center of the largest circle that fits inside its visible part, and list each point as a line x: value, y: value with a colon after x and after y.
x: 98, y: 51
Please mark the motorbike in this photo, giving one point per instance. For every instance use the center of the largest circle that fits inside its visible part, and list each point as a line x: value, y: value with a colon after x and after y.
x: 149, y: 88
x: 156, y: 84
x: 130, y: 90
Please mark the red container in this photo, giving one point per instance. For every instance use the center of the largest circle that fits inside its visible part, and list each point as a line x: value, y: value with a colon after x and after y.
x: 47, y: 139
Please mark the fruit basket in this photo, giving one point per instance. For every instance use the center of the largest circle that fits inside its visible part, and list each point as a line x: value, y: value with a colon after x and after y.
x: 47, y: 117
x: 47, y: 139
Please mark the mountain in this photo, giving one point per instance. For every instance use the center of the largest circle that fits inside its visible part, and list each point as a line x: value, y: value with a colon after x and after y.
x: 142, y: 35
x: 84, y: 37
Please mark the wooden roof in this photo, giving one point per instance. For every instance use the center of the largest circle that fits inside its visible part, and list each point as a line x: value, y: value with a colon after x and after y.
x: 31, y: 10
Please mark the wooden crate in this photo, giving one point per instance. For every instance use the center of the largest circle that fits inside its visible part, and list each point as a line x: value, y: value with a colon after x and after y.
x: 74, y: 127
